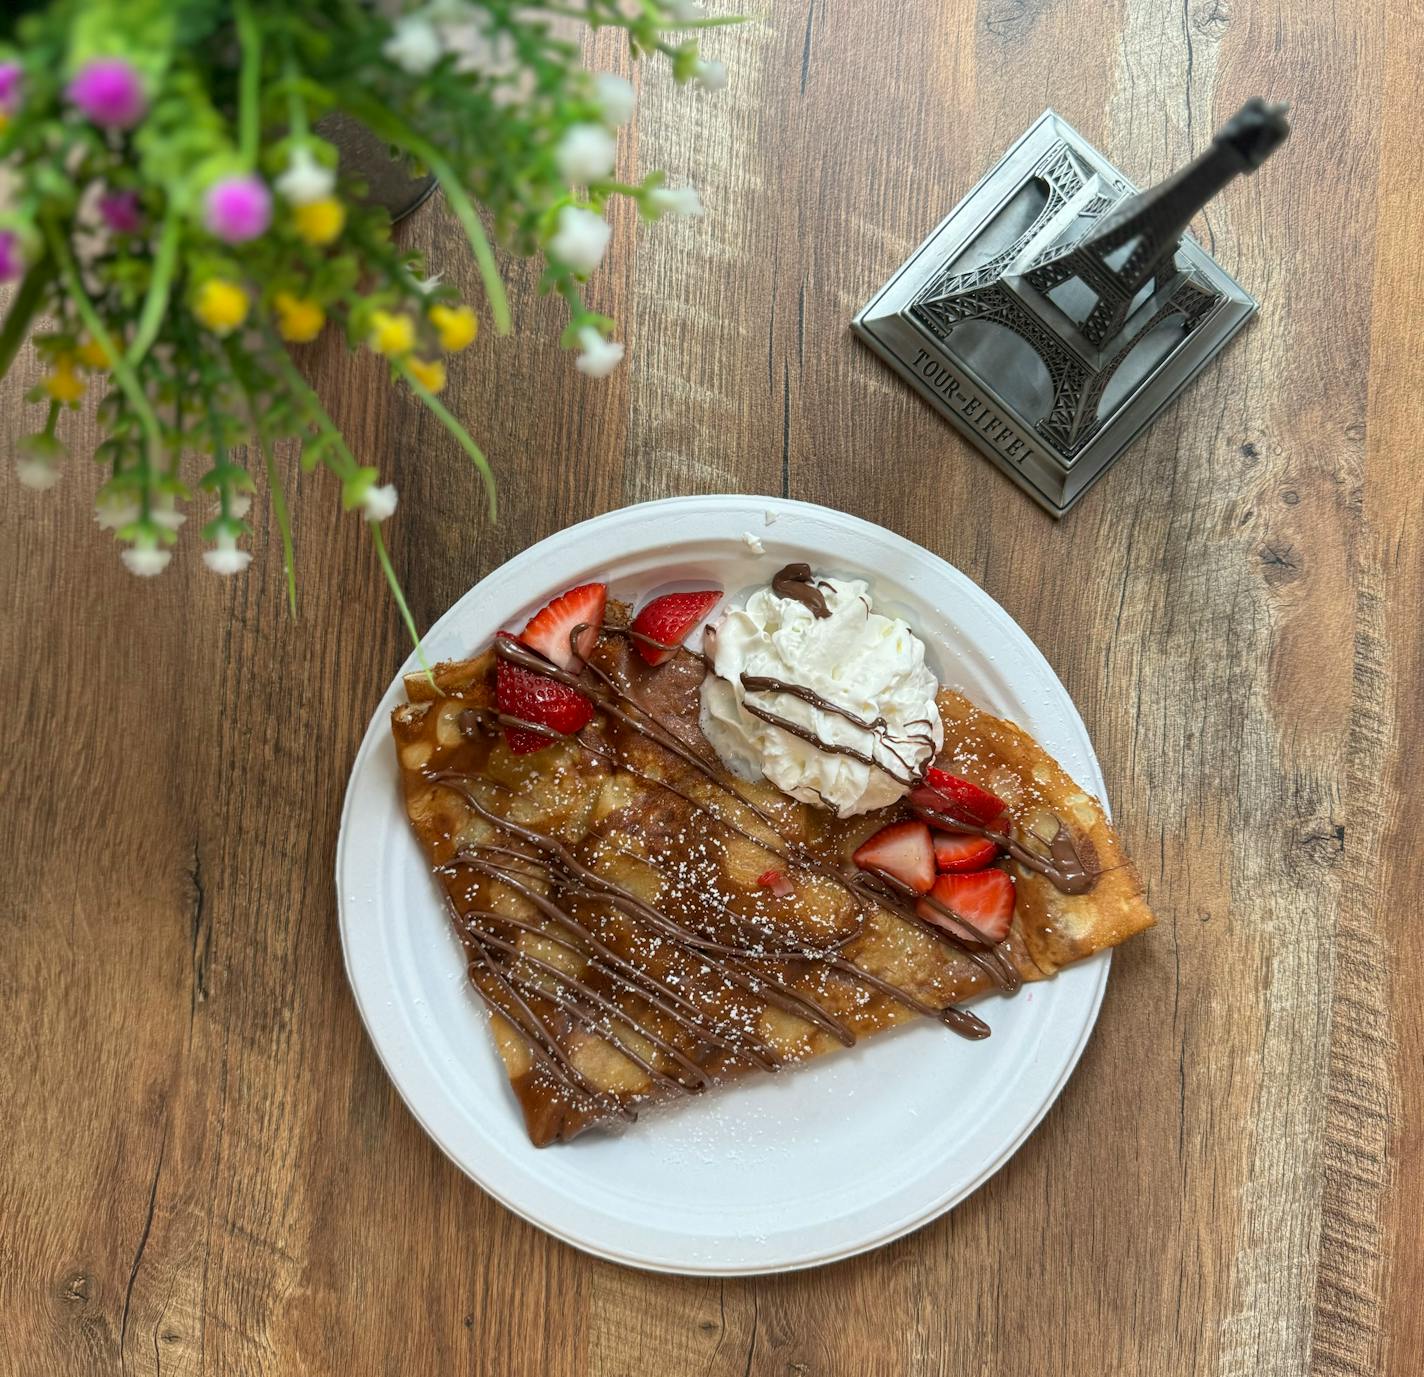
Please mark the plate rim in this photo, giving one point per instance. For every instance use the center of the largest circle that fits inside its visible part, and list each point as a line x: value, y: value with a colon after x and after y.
x: 376, y: 734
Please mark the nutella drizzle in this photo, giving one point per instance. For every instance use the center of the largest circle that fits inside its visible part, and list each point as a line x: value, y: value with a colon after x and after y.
x: 640, y: 637
x: 830, y: 747
x: 699, y: 1076
x: 491, y: 954
x: 1064, y: 867
x: 647, y: 986
x: 795, y: 582
x: 796, y: 855
x: 879, y: 729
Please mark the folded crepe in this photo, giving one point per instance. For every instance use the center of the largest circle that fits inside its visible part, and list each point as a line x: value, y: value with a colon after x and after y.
x: 643, y: 926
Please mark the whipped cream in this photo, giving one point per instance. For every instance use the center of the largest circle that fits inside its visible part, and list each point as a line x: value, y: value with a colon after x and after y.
x: 868, y: 665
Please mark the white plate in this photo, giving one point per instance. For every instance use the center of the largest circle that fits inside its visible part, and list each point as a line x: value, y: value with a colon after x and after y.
x: 784, y: 1171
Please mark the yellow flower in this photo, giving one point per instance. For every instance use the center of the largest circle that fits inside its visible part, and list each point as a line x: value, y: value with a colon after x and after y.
x: 221, y: 305
x: 91, y: 354
x: 391, y: 334
x: 299, y: 320
x: 64, y: 384
x: 429, y: 373
x: 319, y: 222
x: 457, y: 326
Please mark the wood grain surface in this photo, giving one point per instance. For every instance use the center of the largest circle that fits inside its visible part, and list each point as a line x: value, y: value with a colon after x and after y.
x: 203, y: 1169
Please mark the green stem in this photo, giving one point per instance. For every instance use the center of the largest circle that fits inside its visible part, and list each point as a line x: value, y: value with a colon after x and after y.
x: 123, y: 374
x: 296, y: 106
x: 317, y: 413
x: 573, y: 298
x: 327, y: 427
x: 380, y: 543
x: 284, y: 520
x: 444, y: 416
x: 175, y: 457
x: 22, y: 311
x: 249, y: 88
x: 155, y: 303
x: 51, y: 419
x: 392, y: 128
x: 274, y: 480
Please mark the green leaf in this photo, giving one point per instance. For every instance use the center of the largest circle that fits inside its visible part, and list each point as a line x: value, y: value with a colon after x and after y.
x: 23, y: 309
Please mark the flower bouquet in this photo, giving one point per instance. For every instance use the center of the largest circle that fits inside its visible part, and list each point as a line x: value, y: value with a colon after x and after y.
x: 174, y: 213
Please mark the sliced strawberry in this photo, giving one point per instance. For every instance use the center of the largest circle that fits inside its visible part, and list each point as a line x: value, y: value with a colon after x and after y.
x: 957, y: 852
x: 536, y: 698
x: 551, y: 629
x: 669, y: 618
x: 776, y: 881
x: 943, y: 792
x: 984, y: 900
x: 904, y: 852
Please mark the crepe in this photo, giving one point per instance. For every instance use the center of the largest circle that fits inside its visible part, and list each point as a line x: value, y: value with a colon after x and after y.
x: 642, y: 926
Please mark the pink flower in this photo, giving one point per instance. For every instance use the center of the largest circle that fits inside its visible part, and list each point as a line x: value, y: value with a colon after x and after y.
x: 238, y: 208
x: 12, y: 260
x: 109, y: 92
x: 11, y: 74
x: 120, y: 211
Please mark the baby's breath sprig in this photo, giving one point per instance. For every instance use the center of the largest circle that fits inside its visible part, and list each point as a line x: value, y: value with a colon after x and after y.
x: 176, y: 214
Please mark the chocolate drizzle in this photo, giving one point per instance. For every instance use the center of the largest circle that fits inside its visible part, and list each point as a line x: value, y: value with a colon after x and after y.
x: 879, y: 727
x: 640, y: 637
x: 830, y: 747
x: 795, y: 582
x: 899, y: 899
x: 1065, y: 866
x: 879, y: 730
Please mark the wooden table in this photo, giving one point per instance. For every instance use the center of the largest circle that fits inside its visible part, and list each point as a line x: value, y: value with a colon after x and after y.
x: 203, y: 1168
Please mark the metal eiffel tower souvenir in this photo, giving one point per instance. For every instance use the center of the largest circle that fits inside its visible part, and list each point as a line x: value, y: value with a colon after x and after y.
x: 1058, y: 310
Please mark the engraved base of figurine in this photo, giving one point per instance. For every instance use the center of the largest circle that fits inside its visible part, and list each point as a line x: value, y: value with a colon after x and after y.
x: 970, y: 321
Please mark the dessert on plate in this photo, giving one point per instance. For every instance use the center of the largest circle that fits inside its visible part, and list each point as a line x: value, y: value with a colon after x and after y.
x: 673, y: 867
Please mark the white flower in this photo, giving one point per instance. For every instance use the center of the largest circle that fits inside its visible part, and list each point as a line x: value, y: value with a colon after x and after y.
x: 614, y: 95
x: 682, y: 200
x: 414, y: 47
x: 305, y: 179
x: 145, y: 558
x: 426, y: 285
x: 113, y: 510
x: 36, y: 473
x: 379, y: 502
x: 238, y: 505
x: 169, y: 519
x: 37, y: 459
x: 581, y: 239
x: 477, y: 49
x: 225, y: 557
x: 600, y: 356
x: 711, y: 75
x: 586, y: 153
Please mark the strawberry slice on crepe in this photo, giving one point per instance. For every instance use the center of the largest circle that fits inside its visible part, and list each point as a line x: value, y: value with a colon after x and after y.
x: 955, y: 797
x: 954, y: 851
x: 566, y: 631
x: 667, y: 621
x: 536, y: 698
x: 902, y: 851
x: 976, y: 908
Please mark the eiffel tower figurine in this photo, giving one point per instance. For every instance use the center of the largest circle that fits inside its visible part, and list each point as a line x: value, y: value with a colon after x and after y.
x: 1057, y: 310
